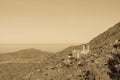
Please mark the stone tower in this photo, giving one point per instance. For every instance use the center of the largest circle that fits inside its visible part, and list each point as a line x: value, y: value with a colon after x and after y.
x: 85, y: 50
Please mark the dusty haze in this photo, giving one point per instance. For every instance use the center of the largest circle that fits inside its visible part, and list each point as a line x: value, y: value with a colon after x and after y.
x: 55, y: 21
x: 53, y: 48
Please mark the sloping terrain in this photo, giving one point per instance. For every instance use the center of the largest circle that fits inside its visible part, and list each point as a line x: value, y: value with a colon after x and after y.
x: 14, y: 66
x: 94, y: 66
x: 104, y: 41
x: 102, y: 63
x: 25, y: 54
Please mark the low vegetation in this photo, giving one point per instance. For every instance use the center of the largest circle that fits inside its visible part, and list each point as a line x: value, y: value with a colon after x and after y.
x: 102, y: 63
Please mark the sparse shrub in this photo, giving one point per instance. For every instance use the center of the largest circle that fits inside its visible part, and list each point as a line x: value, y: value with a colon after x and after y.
x: 114, y: 66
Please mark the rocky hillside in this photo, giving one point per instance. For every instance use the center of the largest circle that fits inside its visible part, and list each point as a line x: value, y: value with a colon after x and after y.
x: 104, y: 41
x: 101, y: 43
x: 94, y: 66
x: 102, y: 63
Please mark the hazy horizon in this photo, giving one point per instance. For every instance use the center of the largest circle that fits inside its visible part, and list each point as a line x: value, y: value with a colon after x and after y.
x: 53, y: 48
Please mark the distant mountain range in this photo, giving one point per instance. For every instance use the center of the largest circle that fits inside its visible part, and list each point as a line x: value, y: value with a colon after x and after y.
x: 49, y: 47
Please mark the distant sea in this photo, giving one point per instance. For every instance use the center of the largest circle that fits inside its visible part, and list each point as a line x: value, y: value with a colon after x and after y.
x: 6, y: 48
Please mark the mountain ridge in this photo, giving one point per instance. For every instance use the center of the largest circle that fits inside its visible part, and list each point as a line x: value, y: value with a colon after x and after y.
x: 24, y: 54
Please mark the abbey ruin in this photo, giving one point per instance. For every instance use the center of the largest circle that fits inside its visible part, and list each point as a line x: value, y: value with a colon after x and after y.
x: 85, y: 50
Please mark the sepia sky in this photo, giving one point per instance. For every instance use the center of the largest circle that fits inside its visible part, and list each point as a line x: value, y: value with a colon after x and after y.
x: 56, y: 21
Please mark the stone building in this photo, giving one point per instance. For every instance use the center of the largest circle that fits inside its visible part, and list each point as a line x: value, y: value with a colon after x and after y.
x: 85, y: 50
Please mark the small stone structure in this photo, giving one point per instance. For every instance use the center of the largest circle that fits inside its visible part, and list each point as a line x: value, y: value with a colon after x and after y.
x: 85, y: 50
